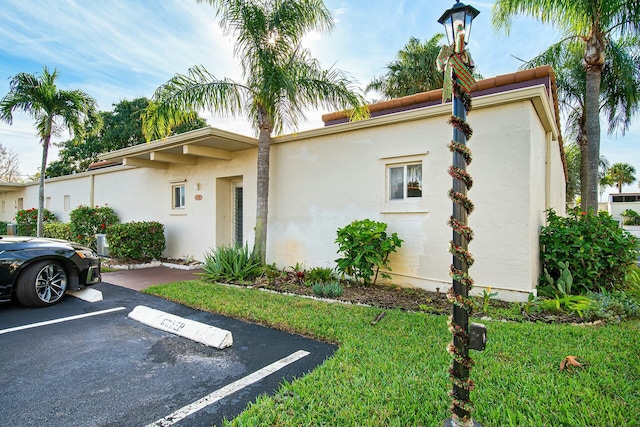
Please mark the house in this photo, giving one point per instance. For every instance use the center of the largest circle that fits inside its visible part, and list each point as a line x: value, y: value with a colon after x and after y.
x: 618, y: 203
x: 392, y: 168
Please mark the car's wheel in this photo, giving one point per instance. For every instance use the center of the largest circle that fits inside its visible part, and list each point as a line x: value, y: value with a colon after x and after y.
x: 41, y: 284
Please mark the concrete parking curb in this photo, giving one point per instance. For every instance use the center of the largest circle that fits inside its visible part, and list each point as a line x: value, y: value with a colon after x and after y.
x: 195, y: 331
x: 87, y: 294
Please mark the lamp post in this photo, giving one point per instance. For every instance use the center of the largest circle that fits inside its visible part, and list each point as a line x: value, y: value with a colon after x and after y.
x: 457, y: 65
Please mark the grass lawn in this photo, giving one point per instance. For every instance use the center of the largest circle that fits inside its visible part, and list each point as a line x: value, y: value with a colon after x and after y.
x: 395, y: 373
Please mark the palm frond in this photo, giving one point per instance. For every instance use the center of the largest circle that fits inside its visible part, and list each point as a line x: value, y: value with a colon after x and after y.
x: 178, y: 100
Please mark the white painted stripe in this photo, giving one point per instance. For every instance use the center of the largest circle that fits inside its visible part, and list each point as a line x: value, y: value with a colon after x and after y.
x: 62, y: 319
x: 225, y: 391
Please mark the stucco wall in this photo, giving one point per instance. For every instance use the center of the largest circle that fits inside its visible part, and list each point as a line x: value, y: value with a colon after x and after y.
x: 322, y: 180
x: 321, y: 184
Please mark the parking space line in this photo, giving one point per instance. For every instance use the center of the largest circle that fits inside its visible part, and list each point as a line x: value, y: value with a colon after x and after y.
x: 62, y: 319
x: 225, y: 391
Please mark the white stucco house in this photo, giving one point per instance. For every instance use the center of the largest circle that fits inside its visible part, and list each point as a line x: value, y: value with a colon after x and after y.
x: 392, y: 167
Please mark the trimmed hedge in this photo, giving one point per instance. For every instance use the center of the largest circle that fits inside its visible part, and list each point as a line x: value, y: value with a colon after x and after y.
x: 57, y: 230
x: 27, y: 220
x: 140, y: 241
x: 87, y: 221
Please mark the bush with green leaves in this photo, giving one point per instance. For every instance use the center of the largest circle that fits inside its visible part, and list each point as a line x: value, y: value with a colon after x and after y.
x: 140, y: 241
x: 330, y: 289
x: 57, y: 230
x: 365, y: 247
x: 612, y: 306
x: 27, y: 220
x: 87, y: 221
x: 3, y: 227
x: 631, y: 217
x: 597, y: 251
x: 320, y: 274
x: 231, y: 264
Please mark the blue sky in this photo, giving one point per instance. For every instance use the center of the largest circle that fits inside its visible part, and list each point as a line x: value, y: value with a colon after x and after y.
x: 123, y: 49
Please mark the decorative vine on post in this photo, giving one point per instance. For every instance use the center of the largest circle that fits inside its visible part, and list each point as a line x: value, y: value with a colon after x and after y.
x: 457, y: 65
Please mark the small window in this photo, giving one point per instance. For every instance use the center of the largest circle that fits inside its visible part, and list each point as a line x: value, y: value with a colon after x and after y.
x: 405, y: 181
x: 178, y: 196
x: 67, y: 203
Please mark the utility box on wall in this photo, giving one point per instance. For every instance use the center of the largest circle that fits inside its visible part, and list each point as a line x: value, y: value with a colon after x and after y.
x: 102, y: 245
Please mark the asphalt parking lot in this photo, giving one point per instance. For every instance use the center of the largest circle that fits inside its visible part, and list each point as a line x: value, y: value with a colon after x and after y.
x: 106, y: 369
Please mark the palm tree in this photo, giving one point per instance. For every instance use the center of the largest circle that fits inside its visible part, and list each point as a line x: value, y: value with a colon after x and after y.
x: 413, y: 71
x: 619, y: 94
x: 620, y: 174
x: 52, y: 109
x: 594, y: 23
x: 281, y: 80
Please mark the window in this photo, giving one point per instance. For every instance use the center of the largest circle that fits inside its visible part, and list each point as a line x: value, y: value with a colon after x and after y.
x: 178, y: 196
x: 627, y: 198
x: 237, y: 215
x: 67, y: 202
x: 405, y: 181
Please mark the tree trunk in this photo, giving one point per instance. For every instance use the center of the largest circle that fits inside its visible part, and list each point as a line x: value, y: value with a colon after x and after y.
x: 45, y: 152
x: 592, y: 101
x: 584, y: 169
x: 593, y: 62
x: 262, y: 195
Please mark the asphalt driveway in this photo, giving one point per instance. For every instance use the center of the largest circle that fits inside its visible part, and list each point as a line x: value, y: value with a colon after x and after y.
x: 108, y: 370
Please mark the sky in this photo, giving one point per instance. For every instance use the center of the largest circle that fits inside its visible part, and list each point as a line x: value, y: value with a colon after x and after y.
x: 125, y: 49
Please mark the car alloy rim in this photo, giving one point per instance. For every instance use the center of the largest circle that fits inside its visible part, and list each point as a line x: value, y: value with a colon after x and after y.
x: 51, y: 283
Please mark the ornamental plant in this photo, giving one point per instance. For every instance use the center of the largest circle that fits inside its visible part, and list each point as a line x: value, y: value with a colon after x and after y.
x: 139, y: 241
x: 27, y: 220
x: 57, y: 230
x: 631, y: 217
x: 87, y: 221
x: 231, y: 264
x: 365, y: 247
x: 592, y: 245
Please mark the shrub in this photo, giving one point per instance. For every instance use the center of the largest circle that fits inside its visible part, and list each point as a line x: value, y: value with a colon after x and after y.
x: 632, y: 217
x: 87, y: 221
x: 140, y: 241
x: 231, y: 264
x: 320, y: 274
x: 331, y: 289
x: 365, y: 247
x: 3, y: 227
x: 612, y: 306
x: 57, y: 230
x: 598, y: 252
x: 27, y: 220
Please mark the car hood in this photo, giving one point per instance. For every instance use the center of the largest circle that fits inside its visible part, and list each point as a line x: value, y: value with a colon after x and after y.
x: 18, y: 242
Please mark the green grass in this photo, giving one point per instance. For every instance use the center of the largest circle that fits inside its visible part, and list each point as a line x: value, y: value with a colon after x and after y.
x: 395, y: 373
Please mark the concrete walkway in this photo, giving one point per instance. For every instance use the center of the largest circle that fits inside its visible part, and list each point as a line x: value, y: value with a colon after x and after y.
x: 142, y: 278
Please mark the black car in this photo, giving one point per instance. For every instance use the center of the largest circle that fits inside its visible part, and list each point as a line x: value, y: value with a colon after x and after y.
x: 39, y: 271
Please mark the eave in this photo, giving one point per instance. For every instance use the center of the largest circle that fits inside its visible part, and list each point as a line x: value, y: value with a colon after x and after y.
x: 185, y: 149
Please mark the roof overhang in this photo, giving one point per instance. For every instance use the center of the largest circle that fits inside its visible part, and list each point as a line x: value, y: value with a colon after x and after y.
x: 185, y: 148
x: 9, y: 187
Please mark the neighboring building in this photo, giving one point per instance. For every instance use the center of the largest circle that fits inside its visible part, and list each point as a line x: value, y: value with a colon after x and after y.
x: 620, y: 202
x: 393, y: 168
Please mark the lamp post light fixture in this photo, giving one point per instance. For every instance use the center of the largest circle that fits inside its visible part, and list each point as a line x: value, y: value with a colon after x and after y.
x: 457, y: 65
x: 458, y: 14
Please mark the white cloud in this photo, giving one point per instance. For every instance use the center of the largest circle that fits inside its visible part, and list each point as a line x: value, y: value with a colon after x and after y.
x: 123, y: 49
